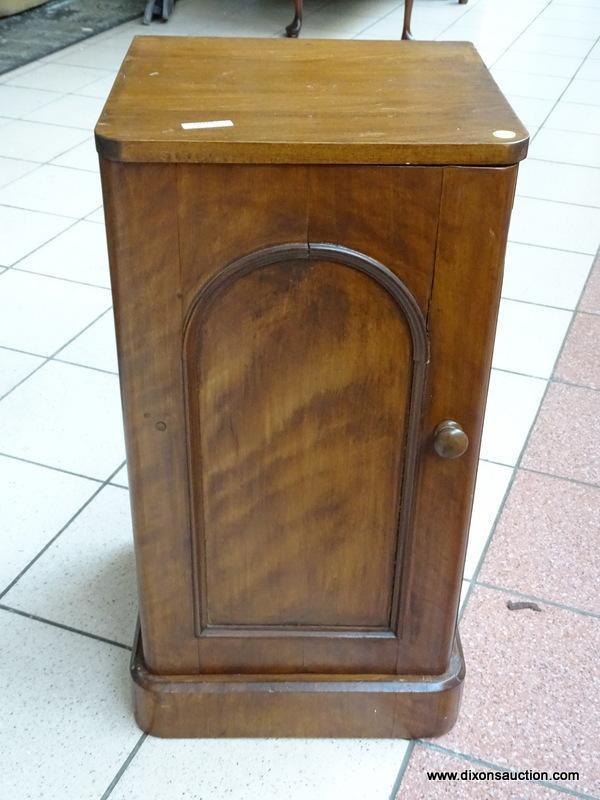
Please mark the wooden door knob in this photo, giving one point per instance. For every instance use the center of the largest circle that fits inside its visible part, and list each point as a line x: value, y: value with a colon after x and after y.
x: 449, y: 439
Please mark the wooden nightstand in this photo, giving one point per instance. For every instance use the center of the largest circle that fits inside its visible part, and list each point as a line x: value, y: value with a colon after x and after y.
x: 306, y: 286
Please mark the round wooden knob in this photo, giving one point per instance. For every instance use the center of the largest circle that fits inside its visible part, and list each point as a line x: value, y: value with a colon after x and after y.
x: 449, y: 439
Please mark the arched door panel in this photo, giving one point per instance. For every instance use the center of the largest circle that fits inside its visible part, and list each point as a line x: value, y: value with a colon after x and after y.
x: 304, y: 368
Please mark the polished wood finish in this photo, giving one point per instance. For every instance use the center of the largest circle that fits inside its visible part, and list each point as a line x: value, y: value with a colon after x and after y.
x: 406, y: 31
x: 307, y: 102
x: 291, y: 337
x: 450, y: 440
x: 356, y: 706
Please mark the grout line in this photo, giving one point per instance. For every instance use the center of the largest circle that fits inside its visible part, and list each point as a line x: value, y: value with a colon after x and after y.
x: 35, y: 210
x: 402, y: 770
x: 85, y: 366
x: 72, y: 280
x: 64, y: 627
x: 575, y: 164
x: 124, y: 766
x: 562, y: 94
x: 553, y: 200
x: 49, y: 466
x: 47, y: 241
x: 51, y: 541
x: 555, y: 249
x: 475, y: 576
x: 502, y: 768
x: 576, y: 481
x: 52, y: 357
x: 540, y: 305
x: 506, y: 590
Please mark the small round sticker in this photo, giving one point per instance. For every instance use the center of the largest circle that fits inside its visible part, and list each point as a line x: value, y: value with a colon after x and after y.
x: 504, y: 134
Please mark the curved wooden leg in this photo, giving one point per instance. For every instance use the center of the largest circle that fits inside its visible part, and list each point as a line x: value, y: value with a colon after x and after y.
x: 293, y: 29
x: 408, y: 7
x: 462, y: 2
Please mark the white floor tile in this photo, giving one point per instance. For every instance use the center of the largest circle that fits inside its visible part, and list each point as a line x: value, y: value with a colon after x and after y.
x: 522, y: 84
x: 571, y: 148
x: 269, y: 769
x: 15, y: 366
x: 40, y: 314
x: 13, y: 168
x: 17, y: 101
x: 513, y: 402
x: 558, y: 225
x: 491, y: 486
x: 590, y: 70
x: 14, y: 73
x: 96, y: 347
x: 59, y: 190
x: 546, y: 44
x: 78, y: 254
x: 34, y: 141
x: 530, y: 110
x: 583, y: 91
x: 99, y: 88
x: 538, y: 64
x: 561, y: 182
x: 23, y: 231
x: 580, y: 13
x: 71, y: 111
x: 77, y: 414
x: 549, y: 277
x: 576, y: 29
x: 83, y: 156
x: 565, y: 117
x: 86, y: 578
x: 464, y: 590
x: 96, y: 216
x: 121, y: 478
x: 105, y: 55
x: 594, y: 54
x: 57, y: 77
x: 67, y: 724
x: 529, y: 337
x: 36, y: 503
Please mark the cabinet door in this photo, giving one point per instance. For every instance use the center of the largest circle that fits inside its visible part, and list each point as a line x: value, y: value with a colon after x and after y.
x: 304, y: 359
x: 274, y: 328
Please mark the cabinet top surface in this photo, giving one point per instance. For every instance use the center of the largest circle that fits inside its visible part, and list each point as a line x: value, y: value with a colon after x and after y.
x: 218, y: 100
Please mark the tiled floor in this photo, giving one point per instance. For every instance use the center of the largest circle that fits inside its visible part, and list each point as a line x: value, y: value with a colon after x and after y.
x: 67, y: 604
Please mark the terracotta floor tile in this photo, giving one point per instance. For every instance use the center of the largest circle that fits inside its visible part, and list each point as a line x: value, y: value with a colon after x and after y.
x: 579, y: 361
x: 547, y: 541
x: 566, y: 436
x: 531, y: 693
x: 590, y: 300
x: 417, y: 786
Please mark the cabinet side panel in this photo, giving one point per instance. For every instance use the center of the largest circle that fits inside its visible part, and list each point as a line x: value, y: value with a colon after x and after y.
x: 475, y: 213
x: 141, y: 217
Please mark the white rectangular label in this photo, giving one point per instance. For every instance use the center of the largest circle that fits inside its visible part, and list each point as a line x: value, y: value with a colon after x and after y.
x: 213, y: 123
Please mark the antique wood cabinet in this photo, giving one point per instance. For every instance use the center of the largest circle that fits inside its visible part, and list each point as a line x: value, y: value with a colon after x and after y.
x: 306, y: 244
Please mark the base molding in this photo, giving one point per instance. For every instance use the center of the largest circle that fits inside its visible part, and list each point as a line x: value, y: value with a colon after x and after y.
x: 352, y: 706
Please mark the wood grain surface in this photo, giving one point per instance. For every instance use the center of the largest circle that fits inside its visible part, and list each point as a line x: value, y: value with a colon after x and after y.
x: 307, y: 102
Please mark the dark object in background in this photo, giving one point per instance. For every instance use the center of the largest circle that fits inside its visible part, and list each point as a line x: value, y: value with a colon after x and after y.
x: 43, y: 30
x: 293, y: 29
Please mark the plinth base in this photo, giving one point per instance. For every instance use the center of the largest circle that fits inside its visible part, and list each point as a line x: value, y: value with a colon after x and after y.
x: 352, y: 706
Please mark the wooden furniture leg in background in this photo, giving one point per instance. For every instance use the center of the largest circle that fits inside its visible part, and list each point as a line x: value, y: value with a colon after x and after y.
x: 408, y: 7
x: 293, y: 29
